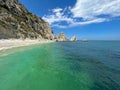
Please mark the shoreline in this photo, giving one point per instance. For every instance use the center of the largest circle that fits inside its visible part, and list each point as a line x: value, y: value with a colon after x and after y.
x: 12, y: 43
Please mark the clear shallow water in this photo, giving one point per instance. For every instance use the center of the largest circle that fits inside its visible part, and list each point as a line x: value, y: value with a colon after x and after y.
x: 93, y: 65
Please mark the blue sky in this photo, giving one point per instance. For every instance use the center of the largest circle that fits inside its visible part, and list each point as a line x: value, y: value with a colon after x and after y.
x: 98, y: 20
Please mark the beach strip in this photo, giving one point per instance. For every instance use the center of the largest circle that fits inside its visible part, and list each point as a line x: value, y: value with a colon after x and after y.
x: 11, y: 43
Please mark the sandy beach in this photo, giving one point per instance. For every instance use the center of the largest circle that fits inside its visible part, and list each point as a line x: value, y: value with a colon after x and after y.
x: 11, y: 43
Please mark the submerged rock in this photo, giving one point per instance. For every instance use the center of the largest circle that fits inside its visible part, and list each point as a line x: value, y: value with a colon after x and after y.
x: 17, y: 22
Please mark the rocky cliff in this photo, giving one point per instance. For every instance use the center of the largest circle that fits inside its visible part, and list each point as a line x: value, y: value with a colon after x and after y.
x: 17, y: 22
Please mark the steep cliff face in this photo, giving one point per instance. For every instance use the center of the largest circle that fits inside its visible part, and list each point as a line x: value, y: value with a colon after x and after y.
x: 17, y: 22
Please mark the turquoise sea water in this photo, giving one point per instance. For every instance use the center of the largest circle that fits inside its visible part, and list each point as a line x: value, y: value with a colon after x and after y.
x: 93, y: 65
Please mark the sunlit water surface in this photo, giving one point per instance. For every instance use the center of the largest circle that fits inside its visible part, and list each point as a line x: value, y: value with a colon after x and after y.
x: 93, y: 65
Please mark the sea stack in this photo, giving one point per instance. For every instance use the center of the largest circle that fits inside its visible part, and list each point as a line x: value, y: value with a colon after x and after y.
x: 61, y: 37
x: 74, y: 38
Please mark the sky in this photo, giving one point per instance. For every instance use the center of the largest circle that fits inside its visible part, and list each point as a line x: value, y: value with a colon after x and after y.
x: 86, y: 19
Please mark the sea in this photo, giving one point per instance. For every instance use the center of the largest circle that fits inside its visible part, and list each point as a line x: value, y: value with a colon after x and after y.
x: 92, y: 65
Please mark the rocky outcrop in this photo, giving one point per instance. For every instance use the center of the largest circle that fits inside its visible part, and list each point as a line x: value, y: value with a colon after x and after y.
x: 74, y: 38
x: 84, y: 40
x: 17, y: 22
x: 61, y: 37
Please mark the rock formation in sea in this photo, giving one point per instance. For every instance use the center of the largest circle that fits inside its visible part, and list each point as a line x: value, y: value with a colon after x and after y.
x: 84, y: 40
x: 74, y: 38
x: 61, y: 37
x: 17, y: 22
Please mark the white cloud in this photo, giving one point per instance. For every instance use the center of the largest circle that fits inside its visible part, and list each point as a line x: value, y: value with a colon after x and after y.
x: 84, y: 12
x: 89, y: 9
x: 97, y: 20
x: 57, y: 16
x: 57, y: 10
x: 77, y: 23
